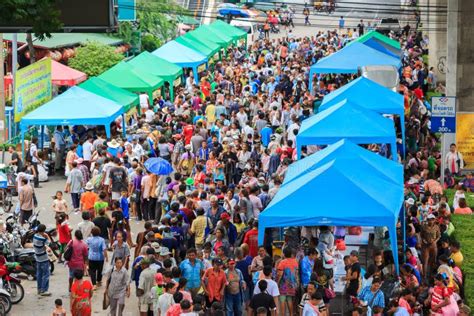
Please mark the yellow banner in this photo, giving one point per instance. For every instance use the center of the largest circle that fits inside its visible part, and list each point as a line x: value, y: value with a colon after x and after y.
x: 201, y: 68
x: 33, y: 87
x: 177, y: 81
x: 465, y: 137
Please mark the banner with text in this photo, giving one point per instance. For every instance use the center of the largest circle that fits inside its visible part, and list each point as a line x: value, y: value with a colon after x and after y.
x: 33, y: 87
x: 465, y: 138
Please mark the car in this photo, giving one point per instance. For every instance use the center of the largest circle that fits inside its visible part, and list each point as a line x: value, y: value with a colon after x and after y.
x: 386, y: 25
x: 249, y: 26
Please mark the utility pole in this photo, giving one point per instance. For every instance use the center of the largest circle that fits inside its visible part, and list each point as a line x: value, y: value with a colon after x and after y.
x: 2, y: 94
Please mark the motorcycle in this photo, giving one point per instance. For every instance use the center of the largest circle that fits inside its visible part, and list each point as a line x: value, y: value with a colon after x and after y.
x: 10, y: 282
x: 5, y: 302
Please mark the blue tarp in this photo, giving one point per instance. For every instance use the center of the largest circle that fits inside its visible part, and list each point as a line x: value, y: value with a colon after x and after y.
x: 352, y: 154
x: 369, y: 95
x: 349, y: 59
x: 314, y: 199
x: 76, y: 106
x: 383, y: 47
x: 347, y: 120
x: 182, y: 56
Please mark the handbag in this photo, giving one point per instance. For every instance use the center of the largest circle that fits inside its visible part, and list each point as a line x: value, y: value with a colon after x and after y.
x: 329, y: 293
x: 105, y: 301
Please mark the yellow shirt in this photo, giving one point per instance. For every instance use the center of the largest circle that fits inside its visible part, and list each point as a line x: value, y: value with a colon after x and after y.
x: 211, y: 113
x: 198, y: 227
x: 457, y: 258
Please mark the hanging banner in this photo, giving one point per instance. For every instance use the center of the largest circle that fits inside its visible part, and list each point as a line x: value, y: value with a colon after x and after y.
x: 33, y: 87
x: 465, y: 138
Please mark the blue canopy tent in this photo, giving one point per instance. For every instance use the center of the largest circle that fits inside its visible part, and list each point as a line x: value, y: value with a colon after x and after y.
x: 369, y: 95
x: 347, y: 120
x: 349, y: 59
x: 76, y: 106
x: 351, y: 153
x: 309, y: 201
x: 182, y: 56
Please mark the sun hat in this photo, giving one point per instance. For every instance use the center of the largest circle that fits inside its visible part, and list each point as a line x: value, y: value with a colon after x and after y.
x: 89, y: 186
x: 164, y: 251
x: 113, y: 144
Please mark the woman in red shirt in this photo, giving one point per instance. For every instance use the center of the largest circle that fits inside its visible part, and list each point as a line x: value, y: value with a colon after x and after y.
x: 440, y: 296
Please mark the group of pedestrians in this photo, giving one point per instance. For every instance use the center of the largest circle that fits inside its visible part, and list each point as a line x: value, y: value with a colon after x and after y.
x: 230, y: 139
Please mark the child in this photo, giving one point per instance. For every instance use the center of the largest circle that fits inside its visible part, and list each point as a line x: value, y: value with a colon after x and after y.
x: 64, y: 232
x: 166, y: 300
x: 124, y: 205
x: 101, y: 203
x: 59, y: 205
x: 58, y: 309
x: 157, y: 291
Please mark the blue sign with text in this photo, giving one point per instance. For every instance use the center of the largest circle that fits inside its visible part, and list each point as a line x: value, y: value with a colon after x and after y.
x: 443, y: 114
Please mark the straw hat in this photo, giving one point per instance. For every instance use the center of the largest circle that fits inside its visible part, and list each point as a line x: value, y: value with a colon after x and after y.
x: 113, y: 144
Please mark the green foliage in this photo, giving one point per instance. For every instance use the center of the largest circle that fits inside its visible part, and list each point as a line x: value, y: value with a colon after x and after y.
x: 157, y: 23
x: 43, y: 15
x: 463, y: 233
x: 150, y: 43
x: 94, y: 58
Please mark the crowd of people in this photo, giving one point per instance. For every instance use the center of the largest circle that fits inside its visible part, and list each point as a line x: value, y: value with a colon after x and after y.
x: 230, y: 139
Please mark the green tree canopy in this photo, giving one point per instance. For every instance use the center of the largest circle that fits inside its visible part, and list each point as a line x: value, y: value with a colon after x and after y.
x: 94, y: 58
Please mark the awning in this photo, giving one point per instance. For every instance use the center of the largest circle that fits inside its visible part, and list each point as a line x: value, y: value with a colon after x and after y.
x: 62, y: 75
x: 107, y: 90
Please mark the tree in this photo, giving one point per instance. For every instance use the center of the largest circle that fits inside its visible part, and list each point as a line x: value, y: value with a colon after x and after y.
x: 156, y: 21
x: 42, y: 15
x: 94, y: 58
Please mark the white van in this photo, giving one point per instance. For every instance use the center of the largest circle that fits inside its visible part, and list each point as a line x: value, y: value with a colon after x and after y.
x: 248, y: 26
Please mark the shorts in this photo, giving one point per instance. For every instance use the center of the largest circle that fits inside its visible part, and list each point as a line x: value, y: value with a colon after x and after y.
x: 143, y: 307
x: 286, y: 298
x: 116, y: 196
x: 71, y: 272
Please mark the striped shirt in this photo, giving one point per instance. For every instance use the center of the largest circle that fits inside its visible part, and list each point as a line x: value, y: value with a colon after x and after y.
x: 39, y: 244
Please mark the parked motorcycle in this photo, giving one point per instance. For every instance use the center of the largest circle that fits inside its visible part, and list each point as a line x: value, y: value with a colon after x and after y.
x: 5, y: 302
x: 10, y: 282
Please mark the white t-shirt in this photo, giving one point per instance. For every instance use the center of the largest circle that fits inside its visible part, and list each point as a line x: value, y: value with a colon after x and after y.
x: 272, y: 288
x: 164, y: 303
x: 33, y: 151
x: 87, y: 150
x: 149, y: 114
x: 144, y: 101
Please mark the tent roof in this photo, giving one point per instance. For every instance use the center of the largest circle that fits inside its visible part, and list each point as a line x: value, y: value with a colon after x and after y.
x: 233, y: 31
x: 157, y: 66
x: 367, y: 94
x: 201, y: 45
x: 185, y: 19
x: 125, y: 76
x: 218, y: 36
x: 351, y: 154
x: 103, y: 88
x: 59, y: 40
x: 346, y: 120
x: 180, y: 55
x: 380, y: 37
x: 294, y: 204
x: 76, y: 106
x: 63, y: 75
x: 351, y: 58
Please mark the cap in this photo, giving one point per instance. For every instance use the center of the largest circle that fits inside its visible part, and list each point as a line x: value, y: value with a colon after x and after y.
x: 159, y: 278
x: 431, y: 216
x: 225, y: 215
x: 189, y: 181
x: 410, y: 201
x: 231, y: 261
x: 355, y: 253
x: 177, y: 136
x: 217, y: 261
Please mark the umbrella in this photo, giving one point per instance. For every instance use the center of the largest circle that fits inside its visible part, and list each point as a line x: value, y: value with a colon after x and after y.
x: 158, y: 166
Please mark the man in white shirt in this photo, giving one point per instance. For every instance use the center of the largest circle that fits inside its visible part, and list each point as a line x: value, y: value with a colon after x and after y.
x: 144, y: 102
x: 35, y: 160
x: 149, y: 114
x: 87, y: 149
x: 454, y: 160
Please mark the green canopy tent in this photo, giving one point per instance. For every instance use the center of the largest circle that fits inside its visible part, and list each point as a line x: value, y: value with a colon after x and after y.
x: 125, y: 98
x: 125, y: 76
x: 157, y: 66
x: 213, y: 35
x: 200, y: 43
x: 381, y: 43
x: 188, y: 20
x: 236, y: 33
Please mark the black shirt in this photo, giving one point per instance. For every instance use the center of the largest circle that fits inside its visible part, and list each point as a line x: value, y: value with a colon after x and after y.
x: 262, y: 300
x: 354, y: 284
x: 103, y: 222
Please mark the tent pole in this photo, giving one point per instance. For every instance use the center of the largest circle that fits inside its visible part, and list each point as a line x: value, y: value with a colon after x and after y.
x: 394, y: 151
x: 171, y: 90
x: 107, y: 130
x: 196, y: 75
x: 394, y: 245
x: 402, y: 123
x: 22, y: 143
x: 42, y: 137
x: 404, y: 230
x: 124, y: 126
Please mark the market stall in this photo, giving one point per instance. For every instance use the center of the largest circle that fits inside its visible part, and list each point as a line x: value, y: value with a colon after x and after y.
x: 62, y: 75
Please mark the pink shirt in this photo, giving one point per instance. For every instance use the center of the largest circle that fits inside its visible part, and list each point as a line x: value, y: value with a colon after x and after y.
x: 79, y: 255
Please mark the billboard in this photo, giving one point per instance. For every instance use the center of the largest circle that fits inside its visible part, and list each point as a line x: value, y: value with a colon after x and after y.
x: 33, y: 87
x: 76, y: 16
x: 465, y: 138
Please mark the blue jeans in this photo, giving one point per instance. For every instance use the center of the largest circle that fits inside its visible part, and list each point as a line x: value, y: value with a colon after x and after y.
x: 233, y: 304
x: 42, y: 275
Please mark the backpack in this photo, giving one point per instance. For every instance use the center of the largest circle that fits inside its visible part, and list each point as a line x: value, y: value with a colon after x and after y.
x: 68, y: 252
x: 188, y: 164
